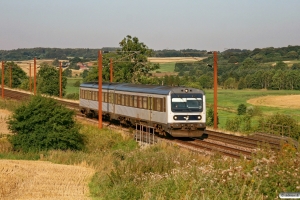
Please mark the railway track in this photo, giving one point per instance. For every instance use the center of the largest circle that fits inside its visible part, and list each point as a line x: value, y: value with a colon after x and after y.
x: 226, y: 144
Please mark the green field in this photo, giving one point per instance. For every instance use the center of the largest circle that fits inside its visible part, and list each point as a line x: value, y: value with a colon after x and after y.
x: 229, y: 100
x: 70, y: 88
x: 166, y: 67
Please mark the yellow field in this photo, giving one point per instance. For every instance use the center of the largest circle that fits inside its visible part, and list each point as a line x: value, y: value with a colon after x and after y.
x: 20, y: 179
x: 289, y: 101
x: 174, y: 59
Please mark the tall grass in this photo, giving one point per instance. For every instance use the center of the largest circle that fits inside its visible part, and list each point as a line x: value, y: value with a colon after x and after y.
x: 162, y: 171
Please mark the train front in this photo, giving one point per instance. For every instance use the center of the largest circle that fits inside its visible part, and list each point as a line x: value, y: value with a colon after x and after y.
x: 187, y: 112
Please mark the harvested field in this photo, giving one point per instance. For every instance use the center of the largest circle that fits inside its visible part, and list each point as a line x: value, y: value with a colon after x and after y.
x: 289, y: 101
x: 174, y: 59
x: 20, y: 179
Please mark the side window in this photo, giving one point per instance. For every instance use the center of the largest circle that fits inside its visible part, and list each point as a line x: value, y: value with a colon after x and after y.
x: 118, y: 97
x: 158, y: 104
x: 131, y: 100
x: 150, y: 106
x: 140, y: 105
x: 104, y: 97
x: 135, y: 101
x: 126, y: 100
x: 111, y: 97
x: 123, y: 99
x: 145, y: 102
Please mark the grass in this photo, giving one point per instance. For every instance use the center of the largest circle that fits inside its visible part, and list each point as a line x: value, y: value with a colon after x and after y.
x: 166, y: 67
x: 70, y: 88
x: 161, y: 171
x: 229, y: 100
x: 164, y: 171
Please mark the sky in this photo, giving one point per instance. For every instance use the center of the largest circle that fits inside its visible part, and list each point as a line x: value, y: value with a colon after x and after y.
x: 212, y: 25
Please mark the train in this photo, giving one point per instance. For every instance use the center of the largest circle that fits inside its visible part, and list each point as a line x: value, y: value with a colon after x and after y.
x: 175, y: 111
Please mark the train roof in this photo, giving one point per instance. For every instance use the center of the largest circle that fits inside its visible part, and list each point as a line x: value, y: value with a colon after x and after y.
x: 129, y: 87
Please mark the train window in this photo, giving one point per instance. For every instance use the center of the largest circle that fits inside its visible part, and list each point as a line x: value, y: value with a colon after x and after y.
x: 164, y: 104
x: 123, y: 99
x: 93, y: 95
x: 158, y: 104
x: 145, y: 102
x: 126, y: 100
x: 118, y: 97
x: 135, y: 101
x: 140, y: 103
x: 131, y: 100
x: 111, y: 97
x: 150, y: 103
x: 104, y: 97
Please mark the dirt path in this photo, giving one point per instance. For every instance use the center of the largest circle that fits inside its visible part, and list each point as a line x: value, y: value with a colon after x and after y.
x: 288, y: 101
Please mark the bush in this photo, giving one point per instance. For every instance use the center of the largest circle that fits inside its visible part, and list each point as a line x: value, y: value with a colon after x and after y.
x: 43, y: 124
x: 280, y: 124
x: 72, y: 96
x: 242, y: 109
x: 76, y: 84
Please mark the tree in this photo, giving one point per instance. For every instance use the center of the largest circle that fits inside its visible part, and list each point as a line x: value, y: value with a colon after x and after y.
x: 55, y: 62
x: 206, y: 81
x: 281, y: 66
x: 130, y: 62
x: 249, y: 63
x: 48, y: 81
x: 43, y: 124
x: 67, y: 72
x: 134, y: 54
x: 17, y: 75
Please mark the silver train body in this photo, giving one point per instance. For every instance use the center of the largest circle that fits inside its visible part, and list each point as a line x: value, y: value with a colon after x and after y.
x: 178, y: 111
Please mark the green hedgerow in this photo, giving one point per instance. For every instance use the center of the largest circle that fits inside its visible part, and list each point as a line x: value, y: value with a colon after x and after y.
x: 43, y: 124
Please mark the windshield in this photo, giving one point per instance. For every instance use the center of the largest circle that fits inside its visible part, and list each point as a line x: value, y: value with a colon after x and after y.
x: 187, y: 102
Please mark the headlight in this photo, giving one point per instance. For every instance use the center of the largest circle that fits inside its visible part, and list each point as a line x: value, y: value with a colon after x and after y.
x: 199, y: 117
x: 175, y: 117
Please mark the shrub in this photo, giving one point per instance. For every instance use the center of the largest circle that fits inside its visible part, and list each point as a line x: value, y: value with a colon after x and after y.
x: 76, y: 84
x: 242, y: 109
x: 72, y: 96
x: 280, y: 124
x: 43, y: 124
x: 233, y: 124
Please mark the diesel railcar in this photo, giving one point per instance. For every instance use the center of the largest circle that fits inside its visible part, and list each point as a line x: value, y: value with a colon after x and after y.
x: 178, y: 111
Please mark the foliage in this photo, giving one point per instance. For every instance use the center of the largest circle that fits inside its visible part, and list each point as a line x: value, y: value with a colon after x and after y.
x: 74, y: 96
x: 242, y: 109
x: 48, y: 81
x: 55, y: 62
x: 210, y: 117
x: 13, y: 75
x: 130, y: 62
x: 43, y: 124
x: 280, y: 124
x: 67, y: 72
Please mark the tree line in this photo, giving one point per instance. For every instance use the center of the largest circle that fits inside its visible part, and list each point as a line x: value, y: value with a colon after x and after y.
x: 237, y: 69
